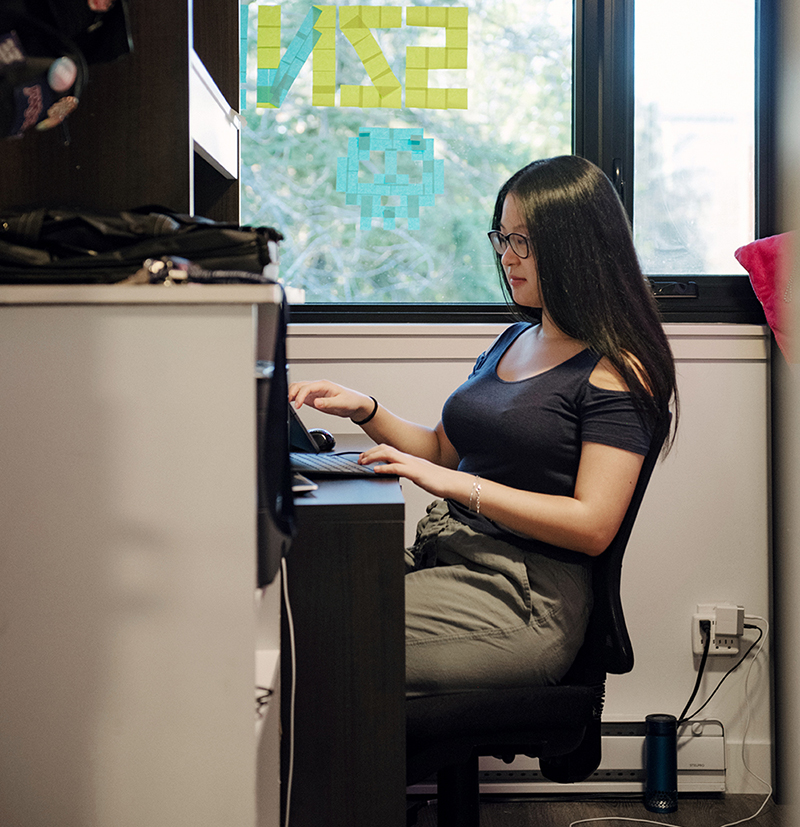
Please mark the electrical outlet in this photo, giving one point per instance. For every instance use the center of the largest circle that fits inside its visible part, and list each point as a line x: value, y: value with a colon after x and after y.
x: 724, y: 624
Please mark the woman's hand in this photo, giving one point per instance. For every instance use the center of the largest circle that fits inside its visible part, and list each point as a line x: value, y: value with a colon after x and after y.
x: 380, y: 425
x: 585, y: 522
x: 330, y: 398
x: 435, y: 479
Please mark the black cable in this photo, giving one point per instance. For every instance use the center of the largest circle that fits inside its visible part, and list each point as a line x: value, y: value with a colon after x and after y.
x: 262, y: 698
x: 705, y: 625
x: 732, y: 669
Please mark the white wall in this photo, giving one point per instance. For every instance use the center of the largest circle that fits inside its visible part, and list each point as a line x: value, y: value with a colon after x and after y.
x: 703, y: 532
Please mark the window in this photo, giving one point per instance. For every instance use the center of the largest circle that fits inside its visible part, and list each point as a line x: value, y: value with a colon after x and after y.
x: 383, y: 182
x: 694, y: 128
x: 376, y: 136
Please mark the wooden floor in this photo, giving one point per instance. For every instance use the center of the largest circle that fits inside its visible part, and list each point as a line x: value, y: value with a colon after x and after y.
x: 714, y: 811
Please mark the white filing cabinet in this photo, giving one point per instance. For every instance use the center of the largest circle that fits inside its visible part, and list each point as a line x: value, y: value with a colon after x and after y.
x: 127, y: 573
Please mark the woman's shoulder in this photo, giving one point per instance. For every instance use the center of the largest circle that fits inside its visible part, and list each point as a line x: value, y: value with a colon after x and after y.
x: 607, y: 377
x: 499, y: 346
x: 506, y: 337
x: 513, y: 330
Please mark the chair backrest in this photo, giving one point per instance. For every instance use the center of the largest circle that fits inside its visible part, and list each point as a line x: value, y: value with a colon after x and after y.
x: 607, y: 647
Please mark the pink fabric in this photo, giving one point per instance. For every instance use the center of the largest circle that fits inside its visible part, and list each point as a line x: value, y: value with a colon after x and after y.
x: 768, y: 262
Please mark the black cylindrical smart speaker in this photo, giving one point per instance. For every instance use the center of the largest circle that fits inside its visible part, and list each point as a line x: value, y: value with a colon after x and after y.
x: 661, y: 763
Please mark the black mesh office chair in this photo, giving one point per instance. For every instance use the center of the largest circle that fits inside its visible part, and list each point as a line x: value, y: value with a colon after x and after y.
x: 560, y: 725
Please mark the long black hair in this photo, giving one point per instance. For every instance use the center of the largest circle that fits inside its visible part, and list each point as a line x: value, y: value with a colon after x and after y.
x: 590, y: 279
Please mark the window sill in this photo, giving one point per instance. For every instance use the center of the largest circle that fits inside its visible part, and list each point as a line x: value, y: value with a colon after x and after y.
x: 725, y: 299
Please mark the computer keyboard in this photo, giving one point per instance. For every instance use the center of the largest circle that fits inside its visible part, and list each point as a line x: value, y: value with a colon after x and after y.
x: 328, y: 464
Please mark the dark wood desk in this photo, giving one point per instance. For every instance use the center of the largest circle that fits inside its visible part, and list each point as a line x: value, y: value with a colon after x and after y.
x: 345, y: 582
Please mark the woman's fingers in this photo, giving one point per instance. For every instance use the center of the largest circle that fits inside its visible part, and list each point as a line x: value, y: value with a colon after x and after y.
x: 327, y: 397
x: 302, y: 393
x: 314, y: 394
x: 380, y: 453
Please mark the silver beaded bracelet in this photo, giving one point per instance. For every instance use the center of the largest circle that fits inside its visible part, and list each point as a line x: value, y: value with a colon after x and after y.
x: 475, y: 496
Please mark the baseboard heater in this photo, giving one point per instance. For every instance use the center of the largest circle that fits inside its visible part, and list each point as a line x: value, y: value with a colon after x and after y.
x: 701, y: 765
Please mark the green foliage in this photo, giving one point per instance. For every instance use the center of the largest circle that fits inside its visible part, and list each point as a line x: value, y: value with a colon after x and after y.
x: 519, y: 81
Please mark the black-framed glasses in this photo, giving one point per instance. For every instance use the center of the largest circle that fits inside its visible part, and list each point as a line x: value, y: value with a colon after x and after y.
x: 520, y: 244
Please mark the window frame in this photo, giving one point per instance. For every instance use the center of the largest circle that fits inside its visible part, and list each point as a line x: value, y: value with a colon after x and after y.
x: 603, y: 132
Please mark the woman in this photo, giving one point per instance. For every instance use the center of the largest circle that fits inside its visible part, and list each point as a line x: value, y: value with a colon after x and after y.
x: 538, y: 452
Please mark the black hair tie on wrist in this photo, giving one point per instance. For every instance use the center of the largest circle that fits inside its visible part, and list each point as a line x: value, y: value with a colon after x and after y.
x: 374, y: 411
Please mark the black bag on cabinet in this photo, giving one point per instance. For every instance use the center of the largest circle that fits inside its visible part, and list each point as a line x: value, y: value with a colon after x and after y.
x: 153, y: 245
x: 63, y: 246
